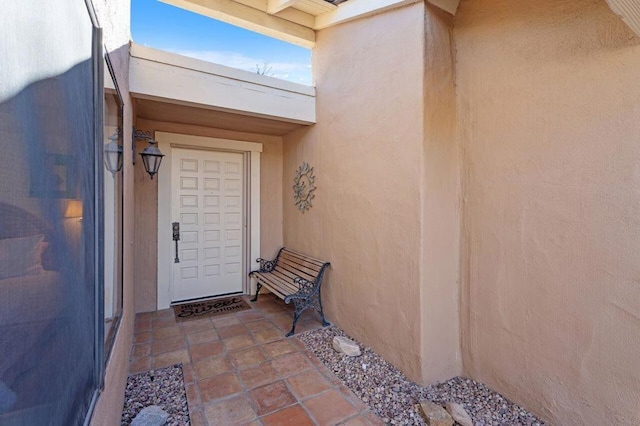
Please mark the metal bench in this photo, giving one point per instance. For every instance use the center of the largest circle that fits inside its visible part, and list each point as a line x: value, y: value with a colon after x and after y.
x: 293, y: 277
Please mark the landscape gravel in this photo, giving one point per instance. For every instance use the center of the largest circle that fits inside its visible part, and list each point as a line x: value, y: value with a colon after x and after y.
x: 163, y: 387
x: 395, y: 398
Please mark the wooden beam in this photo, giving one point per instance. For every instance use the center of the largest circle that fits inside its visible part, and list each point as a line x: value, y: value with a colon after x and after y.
x: 275, y: 6
x: 450, y: 6
x: 355, y: 9
x: 290, y: 14
x: 252, y: 19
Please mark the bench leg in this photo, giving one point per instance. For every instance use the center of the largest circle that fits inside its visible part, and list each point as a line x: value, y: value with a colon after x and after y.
x: 258, y: 287
x: 325, y: 323
x: 296, y: 316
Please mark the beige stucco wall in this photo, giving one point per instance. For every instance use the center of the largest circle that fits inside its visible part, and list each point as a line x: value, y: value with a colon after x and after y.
x: 548, y: 99
x: 367, y: 152
x: 146, y: 193
x: 113, y: 17
x: 440, y: 248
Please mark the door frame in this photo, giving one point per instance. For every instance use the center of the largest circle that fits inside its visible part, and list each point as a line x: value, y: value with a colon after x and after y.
x: 251, y: 150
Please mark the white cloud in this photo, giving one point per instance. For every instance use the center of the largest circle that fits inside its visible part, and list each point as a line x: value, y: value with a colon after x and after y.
x: 297, y: 72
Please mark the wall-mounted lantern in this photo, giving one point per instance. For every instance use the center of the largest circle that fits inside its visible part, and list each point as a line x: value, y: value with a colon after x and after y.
x: 113, y: 155
x: 151, y: 158
x: 151, y: 155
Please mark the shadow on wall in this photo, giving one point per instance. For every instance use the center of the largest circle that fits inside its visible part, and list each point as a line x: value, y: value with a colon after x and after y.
x: 47, y: 255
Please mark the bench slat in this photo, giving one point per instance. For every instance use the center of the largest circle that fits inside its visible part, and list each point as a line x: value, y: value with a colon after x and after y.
x: 307, y: 269
x: 293, y: 272
x: 303, y: 262
x: 284, y: 277
x: 297, y: 261
x: 282, y: 288
x: 303, y: 258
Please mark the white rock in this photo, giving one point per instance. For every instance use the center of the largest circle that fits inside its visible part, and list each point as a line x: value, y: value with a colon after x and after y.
x: 151, y: 416
x: 458, y: 413
x: 346, y: 346
x: 434, y: 414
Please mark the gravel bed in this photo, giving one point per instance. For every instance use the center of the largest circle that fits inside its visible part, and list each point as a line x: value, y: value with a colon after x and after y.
x: 163, y: 387
x: 394, y: 397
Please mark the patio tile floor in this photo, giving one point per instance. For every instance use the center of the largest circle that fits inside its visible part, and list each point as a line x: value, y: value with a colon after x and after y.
x: 240, y: 369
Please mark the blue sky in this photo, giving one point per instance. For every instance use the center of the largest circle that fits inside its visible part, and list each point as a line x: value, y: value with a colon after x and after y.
x: 161, y: 26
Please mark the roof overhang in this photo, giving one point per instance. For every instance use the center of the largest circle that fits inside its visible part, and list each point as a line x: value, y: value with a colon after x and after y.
x: 167, y: 78
x: 294, y: 21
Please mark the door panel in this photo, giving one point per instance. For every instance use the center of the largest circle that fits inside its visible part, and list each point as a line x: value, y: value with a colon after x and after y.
x: 207, y: 200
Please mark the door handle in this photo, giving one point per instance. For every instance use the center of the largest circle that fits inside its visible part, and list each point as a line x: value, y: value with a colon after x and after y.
x: 175, y: 226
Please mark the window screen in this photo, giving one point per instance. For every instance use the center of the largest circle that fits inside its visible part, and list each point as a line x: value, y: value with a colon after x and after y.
x: 49, y: 222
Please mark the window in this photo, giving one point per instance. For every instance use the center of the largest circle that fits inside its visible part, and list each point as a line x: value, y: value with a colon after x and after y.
x: 50, y: 215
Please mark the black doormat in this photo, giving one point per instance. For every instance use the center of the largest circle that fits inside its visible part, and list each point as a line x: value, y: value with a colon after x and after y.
x: 209, y: 308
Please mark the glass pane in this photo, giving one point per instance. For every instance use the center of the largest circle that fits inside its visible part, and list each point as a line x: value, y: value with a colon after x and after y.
x: 113, y: 192
x: 48, y: 219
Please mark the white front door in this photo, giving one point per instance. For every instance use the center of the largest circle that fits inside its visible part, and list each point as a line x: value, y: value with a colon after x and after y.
x: 207, y: 199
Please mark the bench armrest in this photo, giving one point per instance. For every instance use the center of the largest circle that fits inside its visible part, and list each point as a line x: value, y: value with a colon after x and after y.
x: 305, y: 287
x: 267, y: 265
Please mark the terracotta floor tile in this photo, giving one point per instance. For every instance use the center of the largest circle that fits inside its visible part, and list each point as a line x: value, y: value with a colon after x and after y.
x: 353, y: 398
x: 140, y: 365
x: 278, y: 348
x: 357, y: 421
x: 169, y: 344
x: 207, y: 350
x: 291, y: 416
x: 163, y: 322
x: 250, y: 315
x: 282, y: 320
x: 166, y: 332
x: 142, y: 325
x: 272, y: 308
x: 145, y: 316
x: 223, y: 354
x: 313, y: 359
x: 188, y: 374
x: 225, y: 320
x: 170, y: 358
x: 142, y: 337
x: 303, y: 326
x: 258, y: 376
x: 194, y: 326
x: 232, y: 331
x: 238, y: 342
x: 308, y: 383
x: 217, y: 387
x: 268, y: 335
x: 329, y: 408
x: 165, y: 313
x: 332, y: 378
x: 139, y: 351
x: 200, y: 337
x: 212, y: 367
x: 197, y: 418
x: 193, y: 399
x: 290, y: 364
x: 232, y: 411
x: 259, y: 325
x: 271, y: 397
x: 246, y: 358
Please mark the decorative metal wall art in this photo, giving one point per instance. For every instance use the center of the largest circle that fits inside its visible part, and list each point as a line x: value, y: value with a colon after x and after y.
x: 303, y: 187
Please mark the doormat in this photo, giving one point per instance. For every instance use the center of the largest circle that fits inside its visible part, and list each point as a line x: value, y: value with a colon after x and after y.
x: 209, y: 308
